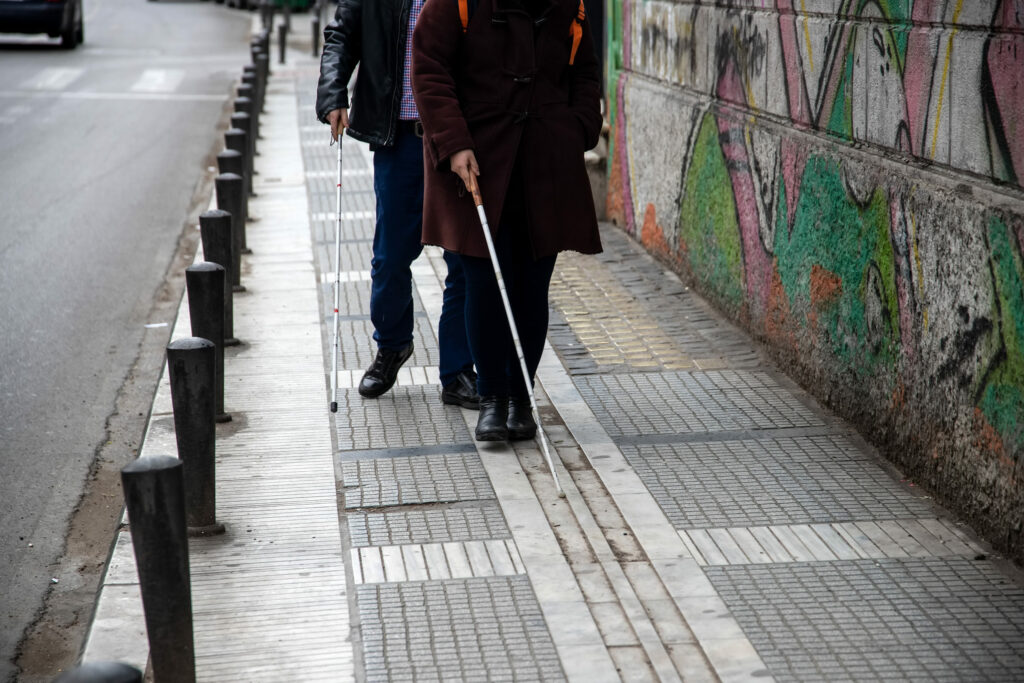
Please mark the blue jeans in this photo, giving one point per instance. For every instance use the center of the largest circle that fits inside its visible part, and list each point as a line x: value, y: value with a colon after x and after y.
x: 398, y: 185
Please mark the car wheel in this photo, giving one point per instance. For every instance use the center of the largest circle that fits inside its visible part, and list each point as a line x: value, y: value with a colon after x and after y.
x: 80, y: 33
x: 67, y: 37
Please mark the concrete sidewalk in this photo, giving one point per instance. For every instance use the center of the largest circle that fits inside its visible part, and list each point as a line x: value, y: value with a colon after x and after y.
x: 718, y: 524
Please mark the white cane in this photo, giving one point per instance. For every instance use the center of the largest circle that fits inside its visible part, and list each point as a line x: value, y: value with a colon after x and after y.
x: 337, y: 287
x: 478, y: 200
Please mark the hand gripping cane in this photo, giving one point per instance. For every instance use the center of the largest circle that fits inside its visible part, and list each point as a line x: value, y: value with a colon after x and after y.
x: 478, y: 200
x: 337, y: 288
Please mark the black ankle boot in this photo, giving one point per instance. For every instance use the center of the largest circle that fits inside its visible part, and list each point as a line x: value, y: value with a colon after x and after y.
x: 490, y: 426
x: 521, y: 426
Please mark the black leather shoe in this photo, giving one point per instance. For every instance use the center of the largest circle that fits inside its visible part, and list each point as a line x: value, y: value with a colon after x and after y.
x: 521, y: 426
x: 382, y: 374
x: 461, y: 391
x: 490, y: 426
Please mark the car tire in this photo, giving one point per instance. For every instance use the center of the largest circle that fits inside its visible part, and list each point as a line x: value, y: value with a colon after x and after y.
x: 80, y: 32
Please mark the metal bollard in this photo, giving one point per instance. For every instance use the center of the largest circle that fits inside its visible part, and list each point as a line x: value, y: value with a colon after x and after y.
x: 246, y: 101
x: 263, y: 72
x: 215, y: 229
x: 101, y: 672
x: 241, y: 121
x: 192, y: 365
x: 230, y: 195
x: 238, y: 140
x: 251, y: 78
x: 154, y: 493
x: 230, y: 161
x: 205, y: 282
x: 316, y: 33
x: 282, y: 42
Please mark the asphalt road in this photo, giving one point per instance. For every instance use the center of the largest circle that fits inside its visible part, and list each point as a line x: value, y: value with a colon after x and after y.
x: 101, y: 149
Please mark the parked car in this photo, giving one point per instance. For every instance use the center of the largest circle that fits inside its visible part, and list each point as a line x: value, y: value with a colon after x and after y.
x: 53, y: 17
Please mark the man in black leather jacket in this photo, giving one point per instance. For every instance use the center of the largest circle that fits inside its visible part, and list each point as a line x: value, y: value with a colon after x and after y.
x: 377, y: 35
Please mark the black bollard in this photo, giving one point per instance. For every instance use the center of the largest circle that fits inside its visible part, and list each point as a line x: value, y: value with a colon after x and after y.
x: 215, y: 228
x: 205, y: 283
x: 238, y: 140
x: 154, y: 493
x: 251, y: 79
x: 245, y: 101
x: 192, y: 365
x: 316, y: 34
x: 282, y: 42
x: 263, y: 73
x: 230, y: 195
x: 101, y: 672
x: 241, y: 121
x: 230, y: 161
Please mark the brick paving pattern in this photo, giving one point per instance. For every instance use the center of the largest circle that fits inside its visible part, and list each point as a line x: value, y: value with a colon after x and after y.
x: 405, y: 416
x: 415, y: 480
x: 681, y: 402
x: 870, y: 620
x: 483, y: 629
x: 427, y: 525
x: 770, y: 481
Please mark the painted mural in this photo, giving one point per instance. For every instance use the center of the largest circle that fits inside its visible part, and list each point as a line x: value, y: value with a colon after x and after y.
x: 845, y: 179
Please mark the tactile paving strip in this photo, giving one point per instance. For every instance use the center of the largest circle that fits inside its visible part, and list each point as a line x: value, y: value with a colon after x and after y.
x: 485, y: 629
x: 762, y: 482
x: 404, y: 416
x: 385, y: 482
x: 603, y: 302
x: 612, y: 324
x: 948, y: 619
x: 358, y: 348
x: 681, y: 402
x: 428, y: 525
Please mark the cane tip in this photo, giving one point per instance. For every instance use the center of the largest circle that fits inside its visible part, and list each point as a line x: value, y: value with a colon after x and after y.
x: 561, y: 493
x: 334, y: 406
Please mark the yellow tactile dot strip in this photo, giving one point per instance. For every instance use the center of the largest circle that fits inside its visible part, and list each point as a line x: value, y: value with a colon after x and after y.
x: 613, y: 326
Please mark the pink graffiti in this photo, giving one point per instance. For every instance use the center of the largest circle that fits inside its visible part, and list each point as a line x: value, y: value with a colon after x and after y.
x: 1005, y: 66
x: 757, y: 262
x: 918, y: 69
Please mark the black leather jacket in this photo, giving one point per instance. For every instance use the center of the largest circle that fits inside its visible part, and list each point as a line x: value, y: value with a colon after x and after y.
x: 371, y: 33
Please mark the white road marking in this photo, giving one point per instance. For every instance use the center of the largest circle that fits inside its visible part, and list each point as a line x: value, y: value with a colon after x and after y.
x: 125, y: 96
x: 54, y: 78
x: 159, y: 80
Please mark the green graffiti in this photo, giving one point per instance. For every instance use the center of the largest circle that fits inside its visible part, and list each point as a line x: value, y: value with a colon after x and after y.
x: 1002, y: 399
x: 841, y: 121
x: 852, y: 243
x: 707, y: 220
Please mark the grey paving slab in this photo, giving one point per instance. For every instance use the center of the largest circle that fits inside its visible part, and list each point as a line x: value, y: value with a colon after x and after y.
x: 885, y: 619
x: 470, y: 630
x: 405, y: 416
x: 427, y: 525
x: 637, y: 404
x: 770, y: 481
x: 415, y: 481
x: 694, y: 329
x: 358, y: 348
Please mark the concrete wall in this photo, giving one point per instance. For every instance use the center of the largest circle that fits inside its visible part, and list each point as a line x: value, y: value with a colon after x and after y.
x: 845, y: 179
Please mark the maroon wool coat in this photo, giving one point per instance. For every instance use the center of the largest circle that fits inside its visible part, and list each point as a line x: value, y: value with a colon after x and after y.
x: 504, y: 89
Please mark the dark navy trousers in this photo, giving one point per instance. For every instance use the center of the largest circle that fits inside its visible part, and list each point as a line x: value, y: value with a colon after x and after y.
x: 398, y: 185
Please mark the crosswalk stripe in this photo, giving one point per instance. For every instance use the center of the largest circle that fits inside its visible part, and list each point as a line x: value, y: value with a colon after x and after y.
x: 159, y: 80
x: 54, y: 78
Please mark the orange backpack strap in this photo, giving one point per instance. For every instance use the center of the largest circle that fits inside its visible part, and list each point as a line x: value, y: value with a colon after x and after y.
x: 464, y: 14
x: 575, y: 30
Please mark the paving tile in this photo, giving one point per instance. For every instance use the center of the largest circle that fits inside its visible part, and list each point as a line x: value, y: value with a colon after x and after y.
x: 770, y: 481
x: 857, y: 619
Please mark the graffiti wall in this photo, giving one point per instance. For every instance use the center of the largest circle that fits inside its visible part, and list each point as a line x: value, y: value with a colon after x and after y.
x: 846, y: 178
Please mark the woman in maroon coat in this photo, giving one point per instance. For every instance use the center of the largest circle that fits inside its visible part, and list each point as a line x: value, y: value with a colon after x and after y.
x: 514, y: 100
